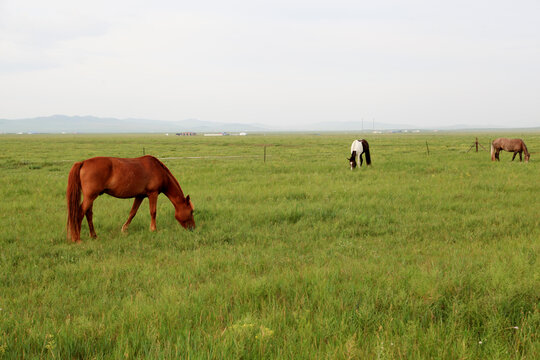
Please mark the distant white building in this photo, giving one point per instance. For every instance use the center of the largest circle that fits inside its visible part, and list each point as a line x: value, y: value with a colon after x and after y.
x: 217, y: 134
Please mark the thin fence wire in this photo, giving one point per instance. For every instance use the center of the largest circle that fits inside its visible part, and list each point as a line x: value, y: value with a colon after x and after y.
x: 280, y: 152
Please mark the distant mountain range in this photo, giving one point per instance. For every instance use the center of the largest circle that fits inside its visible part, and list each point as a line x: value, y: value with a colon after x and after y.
x: 357, y: 126
x: 93, y: 124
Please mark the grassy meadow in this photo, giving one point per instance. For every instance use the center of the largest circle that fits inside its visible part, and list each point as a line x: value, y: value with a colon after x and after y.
x: 416, y: 257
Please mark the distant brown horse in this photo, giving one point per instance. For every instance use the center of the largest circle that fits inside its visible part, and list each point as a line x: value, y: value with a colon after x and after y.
x: 123, y: 178
x: 511, y: 145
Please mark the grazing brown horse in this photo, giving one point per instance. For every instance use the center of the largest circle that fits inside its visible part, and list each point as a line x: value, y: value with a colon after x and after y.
x: 511, y: 145
x: 123, y: 178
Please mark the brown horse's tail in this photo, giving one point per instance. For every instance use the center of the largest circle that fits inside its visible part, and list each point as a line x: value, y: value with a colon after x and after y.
x: 73, y: 196
x: 492, y: 152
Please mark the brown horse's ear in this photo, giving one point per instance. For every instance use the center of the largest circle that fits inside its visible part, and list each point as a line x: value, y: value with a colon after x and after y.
x: 187, y: 199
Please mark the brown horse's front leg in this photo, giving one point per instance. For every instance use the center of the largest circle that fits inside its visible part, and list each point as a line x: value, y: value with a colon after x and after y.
x: 134, y: 208
x: 520, y: 159
x: 152, y: 199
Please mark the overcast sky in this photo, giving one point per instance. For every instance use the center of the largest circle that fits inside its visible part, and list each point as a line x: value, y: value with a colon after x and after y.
x: 279, y: 62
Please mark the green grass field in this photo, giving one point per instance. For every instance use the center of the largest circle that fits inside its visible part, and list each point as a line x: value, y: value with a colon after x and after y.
x: 417, y: 257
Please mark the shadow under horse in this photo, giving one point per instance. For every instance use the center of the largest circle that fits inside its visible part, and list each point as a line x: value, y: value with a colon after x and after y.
x: 511, y: 145
x: 122, y: 178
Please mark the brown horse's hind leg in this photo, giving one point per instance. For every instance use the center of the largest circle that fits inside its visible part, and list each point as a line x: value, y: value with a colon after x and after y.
x: 134, y: 208
x: 89, y: 214
x: 497, y: 155
x: 152, y: 199
x: 86, y: 209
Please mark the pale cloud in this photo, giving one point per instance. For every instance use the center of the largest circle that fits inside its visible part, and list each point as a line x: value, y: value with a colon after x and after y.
x: 280, y: 62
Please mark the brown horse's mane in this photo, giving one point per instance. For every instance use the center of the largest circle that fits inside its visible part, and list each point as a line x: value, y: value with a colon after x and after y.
x: 169, y: 173
x: 525, y: 147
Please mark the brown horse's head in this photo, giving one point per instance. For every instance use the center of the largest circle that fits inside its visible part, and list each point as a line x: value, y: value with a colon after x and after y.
x: 184, y: 214
x: 527, y: 157
x: 352, y: 160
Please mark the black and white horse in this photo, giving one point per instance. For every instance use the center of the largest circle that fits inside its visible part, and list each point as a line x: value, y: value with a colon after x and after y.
x: 358, y: 148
